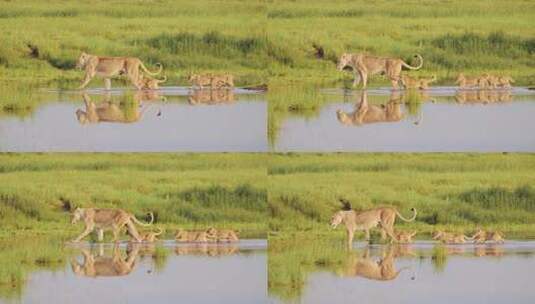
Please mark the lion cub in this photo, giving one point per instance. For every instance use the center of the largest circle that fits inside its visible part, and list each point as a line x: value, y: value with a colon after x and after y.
x: 193, y: 236
x: 467, y: 82
x: 151, y: 236
x: 450, y: 238
x: 417, y: 83
x: 223, y: 235
x: 148, y: 83
x: 481, y: 236
x: 499, y: 81
x: 404, y: 236
x: 211, y: 80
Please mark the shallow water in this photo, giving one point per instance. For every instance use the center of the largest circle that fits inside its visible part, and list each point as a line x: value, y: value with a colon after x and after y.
x: 419, y: 273
x: 439, y: 120
x: 125, y: 121
x: 163, y: 273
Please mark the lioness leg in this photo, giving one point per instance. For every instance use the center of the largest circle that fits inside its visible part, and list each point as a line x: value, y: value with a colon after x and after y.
x: 88, y: 229
x: 390, y: 231
x: 364, y: 77
x: 100, y: 235
x: 133, y: 231
x: 107, y: 84
x: 356, y: 79
x: 350, y: 234
x: 88, y: 76
x: 367, y: 232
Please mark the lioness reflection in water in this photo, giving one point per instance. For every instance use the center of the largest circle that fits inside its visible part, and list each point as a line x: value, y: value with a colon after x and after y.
x: 366, y: 113
x: 106, y: 266
x: 211, y: 96
x: 382, y: 269
x: 109, y: 111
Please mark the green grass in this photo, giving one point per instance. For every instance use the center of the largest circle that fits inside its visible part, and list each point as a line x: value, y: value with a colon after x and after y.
x: 457, y: 192
x: 182, y: 190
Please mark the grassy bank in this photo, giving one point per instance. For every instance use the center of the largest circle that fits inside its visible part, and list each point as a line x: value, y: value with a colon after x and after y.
x: 41, y: 41
x: 279, y: 41
x: 37, y: 191
x: 457, y: 192
x: 451, y: 36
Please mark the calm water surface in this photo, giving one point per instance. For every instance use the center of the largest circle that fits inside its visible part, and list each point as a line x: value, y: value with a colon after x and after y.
x: 162, y: 273
x: 420, y: 273
x: 440, y: 120
x: 173, y: 119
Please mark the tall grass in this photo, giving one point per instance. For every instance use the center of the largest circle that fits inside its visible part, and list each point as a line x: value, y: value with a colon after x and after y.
x: 452, y: 191
x: 182, y: 190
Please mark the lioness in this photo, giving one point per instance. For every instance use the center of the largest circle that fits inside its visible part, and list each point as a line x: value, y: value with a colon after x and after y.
x: 101, y: 266
x: 450, y: 238
x: 108, y: 67
x: 223, y: 235
x: 148, y: 83
x: 405, y: 236
x: 417, y: 83
x: 383, y: 217
x: 151, y: 236
x: 107, y: 219
x: 195, y: 236
x: 481, y: 236
x: 366, y: 113
x: 364, y: 65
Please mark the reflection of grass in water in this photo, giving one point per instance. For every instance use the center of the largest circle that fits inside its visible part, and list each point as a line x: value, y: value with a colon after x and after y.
x: 286, y: 100
x: 291, y: 261
x: 21, y: 257
x: 439, y: 258
x: 160, y: 258
x: 18, y: 99
x: 413, y: 102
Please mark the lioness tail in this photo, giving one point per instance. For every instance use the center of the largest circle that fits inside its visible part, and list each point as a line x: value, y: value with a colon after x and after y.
x: 141, y: 223
x: 407, y: 220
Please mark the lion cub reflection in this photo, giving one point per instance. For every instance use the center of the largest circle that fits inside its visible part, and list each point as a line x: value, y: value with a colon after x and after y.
x: 105, y: 266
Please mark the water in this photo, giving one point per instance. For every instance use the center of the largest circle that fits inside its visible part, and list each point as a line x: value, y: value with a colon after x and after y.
x: 440, y: 120
x: 122, y: 121
x: 419, y: 273
x: 162, y: 273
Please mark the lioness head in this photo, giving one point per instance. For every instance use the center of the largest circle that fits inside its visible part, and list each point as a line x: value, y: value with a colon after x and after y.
x: 77, y: 215
x: 344, y: 61
x: 336, y: 219
x: 82, y: 60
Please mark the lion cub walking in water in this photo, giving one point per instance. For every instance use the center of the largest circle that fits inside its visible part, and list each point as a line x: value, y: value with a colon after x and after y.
x: 211, y: 80
x: 450, y: 238
x: 151, y: 236
x: 481, y: 236
x: 417, y: 83
x: 148, y: 83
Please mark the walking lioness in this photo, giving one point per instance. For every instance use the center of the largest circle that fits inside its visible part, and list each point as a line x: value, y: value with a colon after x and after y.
x: 108, y: 67
x: 366, y: 65
x: 107, y: 219
x: 383, y: 217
